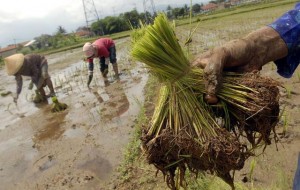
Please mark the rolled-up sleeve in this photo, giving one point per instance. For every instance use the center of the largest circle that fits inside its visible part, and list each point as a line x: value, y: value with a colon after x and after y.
x: 288, y: 27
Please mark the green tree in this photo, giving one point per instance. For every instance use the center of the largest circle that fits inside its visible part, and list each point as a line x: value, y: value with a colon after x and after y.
x: 61, y: 30
x: 98, y: 27
x: 43, y: 41
x: 176, y: 12
x: 132, y: 17
x: 186, y: 10
x: 196, y: 8
x: 169, y: 11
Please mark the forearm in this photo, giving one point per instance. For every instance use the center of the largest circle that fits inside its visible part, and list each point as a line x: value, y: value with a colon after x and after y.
x: 19, y: 82
x: 256, y: 49
x: 90, y: 73
x: 40, y: 82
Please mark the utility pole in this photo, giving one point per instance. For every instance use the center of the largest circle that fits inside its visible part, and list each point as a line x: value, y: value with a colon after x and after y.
x: 149, y: 10
x: 90, y: 13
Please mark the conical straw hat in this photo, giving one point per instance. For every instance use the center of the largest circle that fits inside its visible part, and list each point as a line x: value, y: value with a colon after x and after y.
x: 13, y: 63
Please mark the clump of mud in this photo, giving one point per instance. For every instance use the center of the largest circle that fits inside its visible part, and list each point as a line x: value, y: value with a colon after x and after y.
x: 218, y: 155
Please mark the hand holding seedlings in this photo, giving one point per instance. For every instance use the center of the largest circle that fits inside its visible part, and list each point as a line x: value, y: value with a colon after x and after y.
x: 250, y: 53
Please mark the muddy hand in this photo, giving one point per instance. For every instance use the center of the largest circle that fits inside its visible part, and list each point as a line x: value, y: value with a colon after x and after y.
x: 15, y: 98
x: 212, y: 62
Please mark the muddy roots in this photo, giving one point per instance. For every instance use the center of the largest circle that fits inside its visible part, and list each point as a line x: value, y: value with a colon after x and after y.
x: 248, y: 126
x: 263, y: 115
x: 218, y: 155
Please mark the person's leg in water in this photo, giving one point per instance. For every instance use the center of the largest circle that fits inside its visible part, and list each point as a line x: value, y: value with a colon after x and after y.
x: 104, y: 70
x: 47, y: 79
x: 40, y: 95
x: 113, y: 60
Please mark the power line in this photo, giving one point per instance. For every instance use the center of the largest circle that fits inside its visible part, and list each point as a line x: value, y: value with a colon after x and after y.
x: 149, y: 10
x: 90, y: 13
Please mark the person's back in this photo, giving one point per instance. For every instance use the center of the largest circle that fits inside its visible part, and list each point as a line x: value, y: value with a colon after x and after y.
x: 106, y: 42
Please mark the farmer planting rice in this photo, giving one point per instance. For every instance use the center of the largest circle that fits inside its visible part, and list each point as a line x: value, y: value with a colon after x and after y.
x: 34, y: 66
x: 105, y: 50
x: 183, y: 133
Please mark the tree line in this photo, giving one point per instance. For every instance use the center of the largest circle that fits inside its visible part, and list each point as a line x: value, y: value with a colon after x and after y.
x: 106, y: 26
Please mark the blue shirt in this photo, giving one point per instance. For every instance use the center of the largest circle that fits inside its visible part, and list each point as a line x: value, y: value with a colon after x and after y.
x: 288, y: 27
x: 296, y: 185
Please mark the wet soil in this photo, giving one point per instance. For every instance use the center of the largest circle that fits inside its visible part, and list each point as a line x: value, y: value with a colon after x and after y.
x: 78, y: 148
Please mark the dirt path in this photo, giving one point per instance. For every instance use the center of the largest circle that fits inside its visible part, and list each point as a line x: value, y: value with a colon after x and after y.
x: 75, y: 149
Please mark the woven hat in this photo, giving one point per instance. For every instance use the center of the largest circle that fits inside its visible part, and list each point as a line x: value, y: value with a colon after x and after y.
x: 88, y: 49
x: 13, y: 63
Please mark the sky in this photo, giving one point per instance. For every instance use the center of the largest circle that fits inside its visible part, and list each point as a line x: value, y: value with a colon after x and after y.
x: 23, y: 20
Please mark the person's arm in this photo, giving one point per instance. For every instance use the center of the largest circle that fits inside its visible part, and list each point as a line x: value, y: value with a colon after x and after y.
x: 19, y: 82
x: 242, y: 55
x: 90, y: 71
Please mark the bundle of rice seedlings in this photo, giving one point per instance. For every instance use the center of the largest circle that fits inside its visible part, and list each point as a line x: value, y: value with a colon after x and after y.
x: 57, y: 106
x: 184, y: 131
x: 137, y: 33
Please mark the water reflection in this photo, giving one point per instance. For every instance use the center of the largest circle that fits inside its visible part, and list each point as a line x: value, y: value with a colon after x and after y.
x: 50, y: 126
x: 113, y: 101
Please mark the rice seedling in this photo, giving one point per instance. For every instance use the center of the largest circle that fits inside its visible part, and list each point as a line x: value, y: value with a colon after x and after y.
x: 3, y: 94
x: 183, y: 133
x: 252, y: 166
x: 57, y: 106
x: 288, y: 91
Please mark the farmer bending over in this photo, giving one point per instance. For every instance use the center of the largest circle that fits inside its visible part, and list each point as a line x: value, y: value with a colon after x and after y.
x: 105, y: 50
x: 33, y: 65
x: 278, y: 42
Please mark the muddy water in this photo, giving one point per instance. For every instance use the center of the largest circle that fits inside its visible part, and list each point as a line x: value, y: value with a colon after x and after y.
x: 79, y: 148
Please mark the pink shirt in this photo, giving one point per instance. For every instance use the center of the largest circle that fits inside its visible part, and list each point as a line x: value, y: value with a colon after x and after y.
x: 103, y: 45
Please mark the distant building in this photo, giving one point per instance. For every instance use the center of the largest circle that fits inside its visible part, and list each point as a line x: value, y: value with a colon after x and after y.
x: 12, y: 49
x: 9, y: 50
x: 209, y: 7
x: 84, y: 33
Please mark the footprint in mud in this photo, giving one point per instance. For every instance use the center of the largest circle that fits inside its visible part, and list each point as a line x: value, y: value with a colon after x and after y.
x: 99, y: 98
